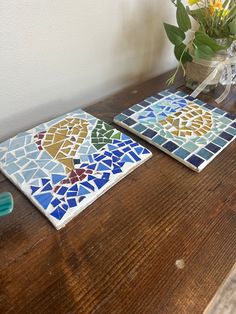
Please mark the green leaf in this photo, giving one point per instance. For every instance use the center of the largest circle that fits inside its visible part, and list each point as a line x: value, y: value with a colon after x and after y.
x: 183, y: 19
x: 202, y: 39
x: 226, y: 3
x: 175, y: 34
x: 198, y: 15
x: 232, y: 13
x: 203, y: 52
x: 232, y: 27
x: 180, y: 53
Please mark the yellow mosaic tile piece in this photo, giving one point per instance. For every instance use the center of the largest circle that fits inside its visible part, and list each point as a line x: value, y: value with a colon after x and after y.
x: 66, y: 150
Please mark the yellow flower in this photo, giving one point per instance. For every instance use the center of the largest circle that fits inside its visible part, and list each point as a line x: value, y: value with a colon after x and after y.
x: 215, y: 5
x: 226, y: 12
x: 192, y: 2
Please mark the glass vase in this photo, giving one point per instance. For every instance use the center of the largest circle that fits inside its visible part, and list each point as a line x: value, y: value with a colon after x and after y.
x: 196, y: 73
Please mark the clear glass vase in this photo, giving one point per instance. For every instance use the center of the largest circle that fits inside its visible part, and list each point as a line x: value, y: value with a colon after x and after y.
x: 224, y: 80
x: 196, y: 73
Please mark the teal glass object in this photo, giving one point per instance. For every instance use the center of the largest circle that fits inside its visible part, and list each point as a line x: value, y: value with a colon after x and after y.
x: 6, y: 203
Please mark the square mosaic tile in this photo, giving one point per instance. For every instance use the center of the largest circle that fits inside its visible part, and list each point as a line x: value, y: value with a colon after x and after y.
x: 66, y: 164
x: 191, y: 131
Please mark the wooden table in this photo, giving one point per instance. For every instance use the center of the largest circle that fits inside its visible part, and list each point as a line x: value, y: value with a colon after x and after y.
x: 119, y: 255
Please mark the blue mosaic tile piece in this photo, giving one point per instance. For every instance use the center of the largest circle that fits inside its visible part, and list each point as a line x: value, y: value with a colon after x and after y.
x: 102, y: 167
x: 62, y: 190
x: 10, y: 158
x: 182, y: 153
x: 11, y: 168
x: 219, y: 142
x: 88, y: 185
x: 57, y: 178
x: 226, y: 136
x: 213, y: 148
x: 233, y: 125
x: 170, y: 146
x: 151, y: 99
x: 189, y: 98
x: 219, y: 111
x: 28, y: 174
x: 40, y: 174
x: 129, y: 122
x: 159, y: 139
x: 22, y: 162
x: 128, y: 112
x: 139, y: 128
x: 16, y: 143
x: 138, y: 149
x: 149, y: 133
x: 230, y: 116
x: 121, y: 117
x: 208, y: 106
x: 190, y: 146
x: 47, y: 187
x: 199, y: 102
x: 72, y: 202
x: 71, y: 194
x: 144, y: 104
x: 181, y: 94
x: 108, y: 162
x: 55, y: 202
x: 58, y: 213
x: 19, y: 178
x: 116, y: 170
x: 231, y: 131
x: 83, y: 191
x: 165, y: 93
x: 67, y: 163
x: 145, y: 151
x: 126, y: 158
x: 19, y: 152
x: 136, y: 108
x: 134, y: 156
x: 44, y: 199
x: 100, y: 183
x: 195, y: 161
x: 184, y: 127
x: 205, y: 154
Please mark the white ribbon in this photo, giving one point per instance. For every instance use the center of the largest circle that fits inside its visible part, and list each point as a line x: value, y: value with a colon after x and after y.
x: 219, y: 67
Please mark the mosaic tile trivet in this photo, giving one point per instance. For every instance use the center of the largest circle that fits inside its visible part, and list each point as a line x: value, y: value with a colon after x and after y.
x: 191, y: 131
x: 66, y: 164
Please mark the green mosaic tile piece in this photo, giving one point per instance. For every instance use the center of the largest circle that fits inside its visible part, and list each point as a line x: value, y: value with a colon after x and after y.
x: 103, y: 134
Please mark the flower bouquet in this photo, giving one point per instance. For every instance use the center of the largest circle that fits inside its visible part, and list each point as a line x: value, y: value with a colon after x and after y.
x: 204, y: 42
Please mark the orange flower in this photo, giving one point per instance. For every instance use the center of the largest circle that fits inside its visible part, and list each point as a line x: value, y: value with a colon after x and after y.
x: 215, y: 5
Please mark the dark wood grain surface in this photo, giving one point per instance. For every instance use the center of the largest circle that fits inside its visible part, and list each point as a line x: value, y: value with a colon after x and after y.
x: 119, y: 255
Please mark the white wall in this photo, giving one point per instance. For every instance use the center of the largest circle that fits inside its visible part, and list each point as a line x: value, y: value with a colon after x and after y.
x: 58, y: 55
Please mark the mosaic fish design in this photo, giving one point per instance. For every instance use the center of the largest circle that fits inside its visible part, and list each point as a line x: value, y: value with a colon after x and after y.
x: 191, y: 131
x: 67, y: 163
